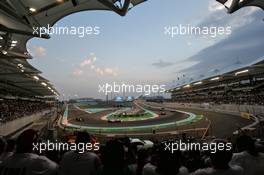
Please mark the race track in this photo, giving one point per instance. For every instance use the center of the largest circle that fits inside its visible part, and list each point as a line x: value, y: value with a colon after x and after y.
x: 222, y: 125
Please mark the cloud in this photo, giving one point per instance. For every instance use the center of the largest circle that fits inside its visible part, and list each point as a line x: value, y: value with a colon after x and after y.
x: 241, y: 48
x: 90, y: 64
x: 77, y: 72
x: 38, y: 51
x: 88, y: 61
x: 110, y: 71
x: 106, y: 71
x: 162, y: 64
x: 85, y: 63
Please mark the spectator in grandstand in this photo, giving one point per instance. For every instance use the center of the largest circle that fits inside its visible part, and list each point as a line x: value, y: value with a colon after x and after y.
x: 9, y: 151
x: 24, y: 161
x: 141, y: 160
x: 220, y: 163
x: 74, y: 162
x: 249, y: 158
x: 170, y: 163
x: 113, y: 159
x: 150, y: 168
x: 2, y: 147
x: 16, y: 108
x: 193, y: 160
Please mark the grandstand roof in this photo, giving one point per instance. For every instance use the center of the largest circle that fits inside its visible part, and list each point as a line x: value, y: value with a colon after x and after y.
x: 18, y: 19
x: 235, y: 5
x: 256, y: 69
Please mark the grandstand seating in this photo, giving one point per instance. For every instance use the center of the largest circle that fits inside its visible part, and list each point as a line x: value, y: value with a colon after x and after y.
x: 243, y: 86
x: 11, y: 109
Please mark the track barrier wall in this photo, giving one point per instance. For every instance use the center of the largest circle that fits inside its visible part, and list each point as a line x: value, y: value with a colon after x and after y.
x: 224, y: 108
x: 14, y: 125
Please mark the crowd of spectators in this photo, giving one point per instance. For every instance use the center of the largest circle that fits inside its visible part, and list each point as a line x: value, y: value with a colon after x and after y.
x: 11, y: 109
x: 230, y: 97
x: 119, y: 157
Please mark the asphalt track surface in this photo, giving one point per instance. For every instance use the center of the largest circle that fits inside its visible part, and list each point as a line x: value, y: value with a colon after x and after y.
x: 223, y: 125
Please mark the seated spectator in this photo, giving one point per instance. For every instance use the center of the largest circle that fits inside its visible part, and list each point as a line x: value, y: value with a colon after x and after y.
x: 24, y: 161
x: 220, y: 163
x: 170, y: 163
x: 249, y: 158
x: 2, y: 148
x: 114, y: 160
x: 193, y: 160
x: 151, y: 167
x: 142, y: 159
x: 11, y: 109
x: 9, y: 151
x: 76, y: 163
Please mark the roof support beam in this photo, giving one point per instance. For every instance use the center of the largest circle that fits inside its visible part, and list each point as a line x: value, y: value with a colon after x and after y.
x: 11, y: 13
x: 237, y: 4
x: 122, y: 12
x: 16, y: 73
x: 19, y: 87
x: 23, y: 11
x: 52, y: 5
x: 12, y: 57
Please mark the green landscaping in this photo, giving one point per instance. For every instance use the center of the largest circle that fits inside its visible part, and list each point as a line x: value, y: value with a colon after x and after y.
x: 132, y: 117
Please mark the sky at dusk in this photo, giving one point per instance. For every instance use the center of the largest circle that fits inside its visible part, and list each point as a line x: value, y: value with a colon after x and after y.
x: 135, y: 49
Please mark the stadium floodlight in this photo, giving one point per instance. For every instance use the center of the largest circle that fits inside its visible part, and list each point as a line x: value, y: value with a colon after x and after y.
x: 187, y: 86
x: 44, y: 84
x: 198, y: 83
x: 4, y: 52
x: 36, y: 77
x: 241, y: 72
x: 20, y: 66
x: 32, y: 9
x: 215, y: 79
